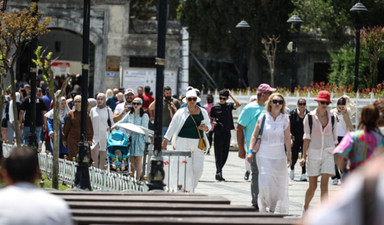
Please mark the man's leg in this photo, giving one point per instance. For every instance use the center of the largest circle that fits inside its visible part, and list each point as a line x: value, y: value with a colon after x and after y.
x: 218, y: 142
x: 226, y: 144
x: 254, y: 182
x: 25, y: 135
x: 39, y: 130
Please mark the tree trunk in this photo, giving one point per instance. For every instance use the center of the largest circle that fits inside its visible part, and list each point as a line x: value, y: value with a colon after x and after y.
x: 56, y: 129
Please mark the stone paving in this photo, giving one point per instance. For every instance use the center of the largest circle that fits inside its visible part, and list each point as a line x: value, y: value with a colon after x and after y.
x: 237, y: 190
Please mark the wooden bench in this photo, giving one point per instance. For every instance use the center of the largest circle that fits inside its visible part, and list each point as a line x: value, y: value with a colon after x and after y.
x: 161, y: 208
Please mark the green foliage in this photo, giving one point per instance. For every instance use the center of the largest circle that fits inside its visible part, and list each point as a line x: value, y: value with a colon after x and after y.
x: 343, y: 66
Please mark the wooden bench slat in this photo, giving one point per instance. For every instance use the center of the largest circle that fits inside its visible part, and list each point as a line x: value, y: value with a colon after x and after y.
x: 125, y: 193
x: 154, y: 213
x: 160, y: 205
x: 185, y: 220
x: 169, y: 199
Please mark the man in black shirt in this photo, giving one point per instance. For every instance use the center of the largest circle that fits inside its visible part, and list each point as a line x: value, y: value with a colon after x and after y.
x: 25, y: 107
x: 296, y: 118
x: 221, y: 115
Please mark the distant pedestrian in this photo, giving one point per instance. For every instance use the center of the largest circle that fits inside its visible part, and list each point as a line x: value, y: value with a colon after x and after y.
x: 187, y: 127
x: 111, y: 101
x: 25, y: 118
x: 208, y: 107
x: 246, y: 124
x: 123, y: 108
x: 138, y: 117
x: 146, y: 100
x: 343, y: 112
x: 64, y: 110
x: 296, y: 118
x: 320, y: 139
x: 71, y: 129
x: 221, y: 114
x: 271, y: 158
x: 102, y: 120
x: 365, y: 143
x: 23, y: 203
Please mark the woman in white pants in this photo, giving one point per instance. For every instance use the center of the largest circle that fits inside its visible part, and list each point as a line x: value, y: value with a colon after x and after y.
x: 187, y: 126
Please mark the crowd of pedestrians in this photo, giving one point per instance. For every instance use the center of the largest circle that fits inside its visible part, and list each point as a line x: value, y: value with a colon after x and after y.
x: 271, y: 138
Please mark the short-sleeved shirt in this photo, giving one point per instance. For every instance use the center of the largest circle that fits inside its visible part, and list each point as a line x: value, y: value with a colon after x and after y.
x: 358, y: 146
x: 111, y: 102
x: 26, y: 106
x: 248, y: 118
x: 166, y: 116
x: 223, y: 116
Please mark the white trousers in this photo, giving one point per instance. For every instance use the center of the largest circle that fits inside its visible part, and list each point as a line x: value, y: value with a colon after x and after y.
x: 188, y: 170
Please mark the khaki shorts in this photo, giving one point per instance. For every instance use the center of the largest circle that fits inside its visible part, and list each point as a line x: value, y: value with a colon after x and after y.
x: 324, y: 166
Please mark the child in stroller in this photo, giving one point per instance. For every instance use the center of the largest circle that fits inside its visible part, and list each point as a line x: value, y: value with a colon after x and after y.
x: 118, y: 151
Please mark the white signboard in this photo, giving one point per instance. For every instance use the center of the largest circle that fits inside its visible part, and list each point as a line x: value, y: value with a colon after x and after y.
x: 135, y: 77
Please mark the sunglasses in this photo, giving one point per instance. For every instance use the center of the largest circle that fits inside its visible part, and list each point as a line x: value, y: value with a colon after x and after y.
x: 302, y: 104
x: 224, y: 99
x: 325, y: 103
x: 136, y: 103
x: 275, y: 101
x: 192, y: 99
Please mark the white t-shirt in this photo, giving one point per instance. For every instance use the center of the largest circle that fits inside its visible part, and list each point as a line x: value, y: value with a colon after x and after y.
x: 340, y: 128
x: 23, y: 203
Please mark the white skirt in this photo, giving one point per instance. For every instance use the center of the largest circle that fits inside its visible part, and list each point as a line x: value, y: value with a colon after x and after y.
x: 273, y: 179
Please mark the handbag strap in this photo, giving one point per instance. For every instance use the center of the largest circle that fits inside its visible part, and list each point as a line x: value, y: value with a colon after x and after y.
x: 262, y: 127
x: 198, y: 131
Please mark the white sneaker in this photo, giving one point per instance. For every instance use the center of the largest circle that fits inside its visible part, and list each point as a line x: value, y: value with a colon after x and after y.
x: 303, y: 177
x: 292, y: 174
x: 335, y: 181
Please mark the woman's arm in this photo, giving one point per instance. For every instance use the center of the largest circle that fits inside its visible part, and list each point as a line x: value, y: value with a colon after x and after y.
x: 253, y: 139
x: 287, y: 141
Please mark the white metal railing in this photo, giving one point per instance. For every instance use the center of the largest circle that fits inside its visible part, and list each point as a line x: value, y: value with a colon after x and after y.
x: 174, y: 167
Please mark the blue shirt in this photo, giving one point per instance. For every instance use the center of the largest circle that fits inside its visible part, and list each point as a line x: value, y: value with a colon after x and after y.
x: 248, y: 118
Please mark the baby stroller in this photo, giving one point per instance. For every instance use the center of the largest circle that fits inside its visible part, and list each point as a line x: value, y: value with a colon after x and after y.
x: 118, y: 151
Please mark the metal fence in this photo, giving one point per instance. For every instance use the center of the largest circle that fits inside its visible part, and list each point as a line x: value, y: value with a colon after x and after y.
x: 103, y: 180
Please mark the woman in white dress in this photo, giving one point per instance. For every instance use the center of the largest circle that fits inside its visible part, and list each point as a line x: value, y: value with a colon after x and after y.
x: 271, y: 157
x: 102, y: 120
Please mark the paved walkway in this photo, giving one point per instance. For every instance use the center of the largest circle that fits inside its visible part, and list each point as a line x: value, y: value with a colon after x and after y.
x: 237, y: 190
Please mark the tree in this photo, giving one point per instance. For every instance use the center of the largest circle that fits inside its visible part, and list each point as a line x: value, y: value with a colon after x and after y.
x: 43, y: 63
x: 17, y: 30
x: 213, y: 25
x: 372, y: 41
x: 343, y: 66
x: 270, y: 47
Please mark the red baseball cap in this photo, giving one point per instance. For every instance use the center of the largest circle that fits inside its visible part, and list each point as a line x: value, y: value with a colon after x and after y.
x: 265, y: 88
x: 323, y: 96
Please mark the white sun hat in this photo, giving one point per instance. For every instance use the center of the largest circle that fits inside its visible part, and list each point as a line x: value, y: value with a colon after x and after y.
x: 191, y: 93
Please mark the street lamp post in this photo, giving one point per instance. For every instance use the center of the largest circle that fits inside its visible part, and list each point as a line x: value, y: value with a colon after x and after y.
x: 156, y: 174
x: 358, y: 12
x: 243, y: 26
x: 32, y: 138
x: 3, y: 7
x: 294, y: 30
x: 82, y: 179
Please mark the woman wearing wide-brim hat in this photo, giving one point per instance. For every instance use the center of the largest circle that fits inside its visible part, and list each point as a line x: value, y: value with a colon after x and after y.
x: 320, y: 139
x: 187, y: 126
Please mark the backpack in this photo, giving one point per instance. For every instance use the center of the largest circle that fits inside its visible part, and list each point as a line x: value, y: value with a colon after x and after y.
x: 310, y: 121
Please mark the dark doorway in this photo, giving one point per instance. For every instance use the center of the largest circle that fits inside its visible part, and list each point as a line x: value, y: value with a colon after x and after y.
x: 320, y: 72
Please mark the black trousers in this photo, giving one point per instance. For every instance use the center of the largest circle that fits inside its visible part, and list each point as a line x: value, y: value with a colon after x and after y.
x: 222, y: 140
x: 210, y: 138
x: 296, y: 148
